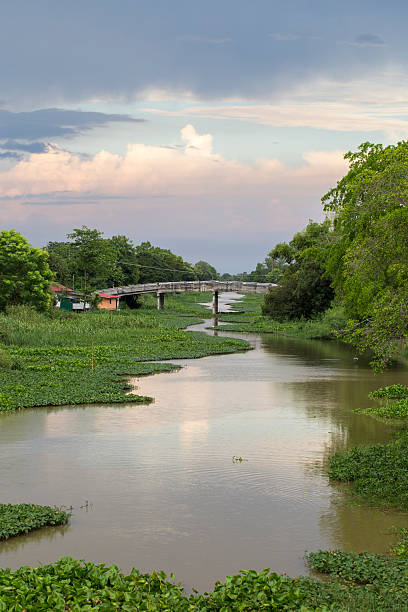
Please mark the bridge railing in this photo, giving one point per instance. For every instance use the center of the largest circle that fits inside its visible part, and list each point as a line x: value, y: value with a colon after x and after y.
x: 182, y: 286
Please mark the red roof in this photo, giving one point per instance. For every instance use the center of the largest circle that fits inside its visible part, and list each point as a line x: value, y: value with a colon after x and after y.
x: 58, y: 287
x: 106, y: 295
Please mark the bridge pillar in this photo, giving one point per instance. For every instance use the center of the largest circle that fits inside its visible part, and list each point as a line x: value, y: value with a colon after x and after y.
x: 215, y: 302
x: 160, y: 301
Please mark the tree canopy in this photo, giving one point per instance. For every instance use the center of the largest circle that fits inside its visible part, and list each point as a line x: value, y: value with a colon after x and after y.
x: 205, y: 271
x: 304, y: 287
x: 90, y: 261
x: 25, y: 275
x: 369, y: 256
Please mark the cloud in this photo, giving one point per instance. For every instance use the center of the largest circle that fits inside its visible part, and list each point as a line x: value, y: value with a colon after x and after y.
x: 10, y: 155
x: 154, y: 171
x: 200, y: 143
x: 368, y: 40
x: 53, y: 123
x: 187, y: 199
x: 31, y: 147
x: 166, y: 189
x: 358, y: 105
x: 218, y: 50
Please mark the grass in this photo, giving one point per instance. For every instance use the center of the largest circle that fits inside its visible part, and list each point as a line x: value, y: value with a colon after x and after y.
x: 16, y: 519
x: 63, y: 359
x: 250, y: 319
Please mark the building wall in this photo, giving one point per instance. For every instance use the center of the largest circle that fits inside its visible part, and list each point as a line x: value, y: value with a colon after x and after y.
x: 107, y: 303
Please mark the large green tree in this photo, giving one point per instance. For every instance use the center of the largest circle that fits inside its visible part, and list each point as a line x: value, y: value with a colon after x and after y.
x: 25, y: 275
x: 369, y: 257
x: 94, y: 257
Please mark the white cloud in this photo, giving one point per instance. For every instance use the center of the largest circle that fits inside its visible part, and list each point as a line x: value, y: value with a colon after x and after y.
x: 189, y: 191
x: 151, y: 170
x: 200, y: 143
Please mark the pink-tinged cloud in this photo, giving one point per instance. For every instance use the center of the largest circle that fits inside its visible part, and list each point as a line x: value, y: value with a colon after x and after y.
x: 158, y: 193
x: 150, y: 170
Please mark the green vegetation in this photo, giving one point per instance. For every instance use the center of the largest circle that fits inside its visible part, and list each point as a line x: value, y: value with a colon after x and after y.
x: 75, y: 586
x: 365, y: 581
x: 16, y: 519
x: 391, y: 410
x: 391, y: 392
x: 24, y: 272
x: 378, y: 473
x: 359, y: 256
x: 89, y: 261
x: 369, y: 582
x: 400, y: 548
x: 250, y: 319
x: 61, y: 358
x: 368, y: 259
x: 304, y: 288
x: 396, y: 406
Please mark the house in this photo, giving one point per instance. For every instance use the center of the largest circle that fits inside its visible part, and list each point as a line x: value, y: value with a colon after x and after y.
x: 108, y: 302
x: 73, y: 302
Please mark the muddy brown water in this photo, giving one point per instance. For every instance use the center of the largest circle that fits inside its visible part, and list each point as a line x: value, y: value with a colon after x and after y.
x: 155, y: 487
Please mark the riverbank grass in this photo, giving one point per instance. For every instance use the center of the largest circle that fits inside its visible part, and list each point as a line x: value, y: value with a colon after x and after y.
x: 18, y: 519
x: 62, y: 359
x: 249, y: 318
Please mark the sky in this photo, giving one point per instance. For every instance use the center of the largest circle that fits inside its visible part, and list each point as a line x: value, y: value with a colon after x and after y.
x: 210, y: 128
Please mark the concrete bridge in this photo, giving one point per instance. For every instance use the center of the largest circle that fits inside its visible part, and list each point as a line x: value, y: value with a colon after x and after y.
x: 179, y: 287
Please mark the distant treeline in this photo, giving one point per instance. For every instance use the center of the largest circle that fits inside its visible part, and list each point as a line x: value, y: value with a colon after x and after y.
x: 87, y: 261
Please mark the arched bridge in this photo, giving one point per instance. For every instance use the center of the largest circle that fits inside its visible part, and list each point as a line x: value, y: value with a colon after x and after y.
x: 179, y: 287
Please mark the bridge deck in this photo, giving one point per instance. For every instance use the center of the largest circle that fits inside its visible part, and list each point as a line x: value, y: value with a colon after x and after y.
x: 179, y: 287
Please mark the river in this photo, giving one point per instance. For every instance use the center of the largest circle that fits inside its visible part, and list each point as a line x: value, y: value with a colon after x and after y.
x: 155, y: 487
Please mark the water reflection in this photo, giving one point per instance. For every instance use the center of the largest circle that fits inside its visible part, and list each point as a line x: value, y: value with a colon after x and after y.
x: 164, y: 490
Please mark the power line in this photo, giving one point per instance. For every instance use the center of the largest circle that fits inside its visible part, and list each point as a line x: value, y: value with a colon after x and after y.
x: 129, y: 263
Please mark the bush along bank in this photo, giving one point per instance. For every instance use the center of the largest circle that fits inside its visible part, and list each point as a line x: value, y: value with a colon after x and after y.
x: 62, y: 359
x: 17, y: 519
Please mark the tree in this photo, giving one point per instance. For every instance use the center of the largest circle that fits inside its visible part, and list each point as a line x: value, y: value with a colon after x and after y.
x: 61, y: 262
x: 93, y: 256
x: 161, y: 265
x: 304, y: 287
x: 205, y: 271
x: 126, y: 271
x: 369, y: 257
x: 25, y: 275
